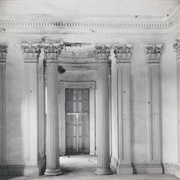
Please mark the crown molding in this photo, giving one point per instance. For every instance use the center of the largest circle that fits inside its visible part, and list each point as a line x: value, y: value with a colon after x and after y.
x: 3, y: 53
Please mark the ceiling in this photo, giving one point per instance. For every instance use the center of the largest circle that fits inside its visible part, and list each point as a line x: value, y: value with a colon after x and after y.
x: 103, y: 8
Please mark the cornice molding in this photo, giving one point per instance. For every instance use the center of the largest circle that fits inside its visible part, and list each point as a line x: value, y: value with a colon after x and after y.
x: 31, y: 52
x: 3, y: 53
x: 110, y: 22
x: 154, y: 53
x: 102, y: 53
x: 123, y: 53
x: 176, y: 46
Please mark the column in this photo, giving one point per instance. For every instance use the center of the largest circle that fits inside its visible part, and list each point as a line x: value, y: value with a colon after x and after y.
x: 177, y: 49
x: 31, y: 56
x: 102, y: 110
x: 154, y: 113
x: 123, y: 55
x: 3, y: 52
x: 52, y: 131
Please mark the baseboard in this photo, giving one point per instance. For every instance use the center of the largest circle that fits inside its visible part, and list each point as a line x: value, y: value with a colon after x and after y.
x: 172, y: 169
x: 3, y: 170
x: 147, y: 168
x: 139, y: 168
x: 124, y: 169
x: 23, y: 170
x: 154, y: 169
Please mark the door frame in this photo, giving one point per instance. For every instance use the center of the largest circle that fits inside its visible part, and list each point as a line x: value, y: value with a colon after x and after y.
x: 92, y: 112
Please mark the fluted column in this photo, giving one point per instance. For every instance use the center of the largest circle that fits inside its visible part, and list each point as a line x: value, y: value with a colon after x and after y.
x: 123, y: 55
x: 177, y: 49
x: 102, y: 110
x: 3, y: 52
x: 154, y: 113
x: 52, y: 132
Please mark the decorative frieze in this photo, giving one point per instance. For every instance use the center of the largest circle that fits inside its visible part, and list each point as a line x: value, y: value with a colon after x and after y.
x: 177, y: 48
x: 52, y: 51
x: 154, y: 53
x: 31, y: 52
x: 102, y: 52
x: 3, y: 52
x: 123, y: 53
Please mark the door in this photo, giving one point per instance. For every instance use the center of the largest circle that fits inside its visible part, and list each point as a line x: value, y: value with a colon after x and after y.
x: 77, y: 121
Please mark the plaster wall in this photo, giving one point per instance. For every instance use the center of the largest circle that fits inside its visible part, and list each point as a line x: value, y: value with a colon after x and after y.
x: 16, y: 127
x: 139, y: 114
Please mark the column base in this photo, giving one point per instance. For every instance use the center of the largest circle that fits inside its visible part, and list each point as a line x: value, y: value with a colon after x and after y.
x: 103, y: 171
x: 124, y: 169
x: 51, y: 172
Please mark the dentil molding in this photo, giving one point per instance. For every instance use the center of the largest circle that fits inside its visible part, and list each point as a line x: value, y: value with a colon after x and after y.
x: 154, y: 53
x: 3, y: 52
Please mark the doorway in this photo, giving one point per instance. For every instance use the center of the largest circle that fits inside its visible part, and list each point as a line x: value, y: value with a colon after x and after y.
x: 77, y: 121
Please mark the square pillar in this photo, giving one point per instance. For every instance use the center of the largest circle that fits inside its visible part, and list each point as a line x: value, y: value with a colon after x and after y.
x: 154, y: 111
x: 123, y: 55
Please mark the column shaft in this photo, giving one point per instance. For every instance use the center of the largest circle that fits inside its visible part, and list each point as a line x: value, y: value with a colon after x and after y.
x: 102, y: 116
x: 52, y: 143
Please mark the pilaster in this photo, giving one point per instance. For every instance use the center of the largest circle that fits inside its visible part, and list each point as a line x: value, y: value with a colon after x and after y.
x: 51, y: 52
x: 177, y: 50
x: 3, y: 52
x: 31, y: 54
x: 154, y: 110
x: 102, y: 111
x: 123, y: 56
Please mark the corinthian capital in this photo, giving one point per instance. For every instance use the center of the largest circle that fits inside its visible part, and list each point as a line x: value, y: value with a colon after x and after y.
x: 3, y: 52
x: 31, y: 52
x: 123, y: 53
x: 154, y: 53
x: 177, y: 46
x: 52, y: 51
x: 102, y: 52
